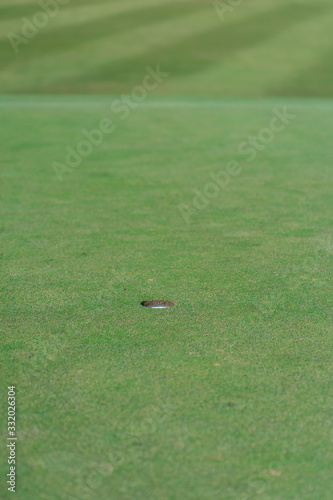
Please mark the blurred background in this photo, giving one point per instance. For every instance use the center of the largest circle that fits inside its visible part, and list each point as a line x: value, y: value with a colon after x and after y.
x: 231, y: 48
x: 227, y: 395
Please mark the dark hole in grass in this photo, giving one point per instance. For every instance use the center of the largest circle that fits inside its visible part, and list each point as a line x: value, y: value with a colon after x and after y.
x: 157, y: 304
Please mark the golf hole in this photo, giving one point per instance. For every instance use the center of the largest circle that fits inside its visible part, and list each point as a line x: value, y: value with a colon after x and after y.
x: 157, y: 304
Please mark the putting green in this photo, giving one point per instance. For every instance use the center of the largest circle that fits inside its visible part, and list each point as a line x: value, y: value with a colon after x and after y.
x: 226, y: 395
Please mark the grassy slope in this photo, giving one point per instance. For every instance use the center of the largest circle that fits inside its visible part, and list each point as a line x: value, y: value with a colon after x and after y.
x: 261, y: 48
x: 226, y: 395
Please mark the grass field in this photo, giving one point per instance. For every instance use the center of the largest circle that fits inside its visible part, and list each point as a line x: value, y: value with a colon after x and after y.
x: 203, y: 400
x: 261, y: 48
x: 227, y: 395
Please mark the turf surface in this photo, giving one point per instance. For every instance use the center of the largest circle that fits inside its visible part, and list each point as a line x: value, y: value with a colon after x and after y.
x: 275, y: 48
x: 228, y: 394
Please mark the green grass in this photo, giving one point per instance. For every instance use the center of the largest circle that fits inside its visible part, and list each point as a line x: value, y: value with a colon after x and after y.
x: 228, y: 394
x: 276, y: 48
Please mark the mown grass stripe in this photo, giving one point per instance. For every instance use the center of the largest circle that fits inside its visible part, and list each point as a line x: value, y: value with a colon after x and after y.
x: 63, y: 66
x: 202, y: 50
x: 70, y: 64
x: 62, y: 38
x: 19, y: 10
x: 311, y: 68
x: 193, y: 46
x: 316, y: 79
x: 73, y: 14
x: 268, y: 67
